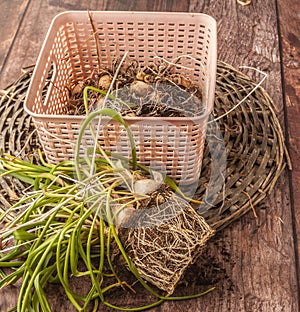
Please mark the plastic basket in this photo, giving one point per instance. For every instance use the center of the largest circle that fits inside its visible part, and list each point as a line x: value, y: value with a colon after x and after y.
x: 70, y: 52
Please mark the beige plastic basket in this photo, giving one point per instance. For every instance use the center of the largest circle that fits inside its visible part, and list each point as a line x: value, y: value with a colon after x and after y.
x: 70, y: 52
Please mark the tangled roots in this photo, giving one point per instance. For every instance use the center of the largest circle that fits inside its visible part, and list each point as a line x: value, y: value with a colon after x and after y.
x: 165, y: 240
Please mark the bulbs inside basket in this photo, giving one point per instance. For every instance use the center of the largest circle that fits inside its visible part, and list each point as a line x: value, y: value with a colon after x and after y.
x: 159, y: 90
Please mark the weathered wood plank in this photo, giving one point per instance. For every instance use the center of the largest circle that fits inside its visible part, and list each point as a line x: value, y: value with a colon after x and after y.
x: 11, y: 18
x: 144, y: 5
x: 251, y: 263
x: 262, y: 249
x: 247, y: 36
x: 289, y: 17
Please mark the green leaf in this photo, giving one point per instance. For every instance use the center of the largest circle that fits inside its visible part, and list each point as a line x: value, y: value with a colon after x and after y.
x: 90, y: 117
x: 23, y: 235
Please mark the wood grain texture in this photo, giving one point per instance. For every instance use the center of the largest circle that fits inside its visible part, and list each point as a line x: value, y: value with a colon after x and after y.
x: 247, y: 36
x: 11, y: 19
x: 289, y: 17
x: 252, y: 263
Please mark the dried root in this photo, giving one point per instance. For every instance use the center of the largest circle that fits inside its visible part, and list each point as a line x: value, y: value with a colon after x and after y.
x: 164, y: 240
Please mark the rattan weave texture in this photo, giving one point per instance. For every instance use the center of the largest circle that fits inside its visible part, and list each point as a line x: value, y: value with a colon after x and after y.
x: 254, y: 142
x: 255, y: 148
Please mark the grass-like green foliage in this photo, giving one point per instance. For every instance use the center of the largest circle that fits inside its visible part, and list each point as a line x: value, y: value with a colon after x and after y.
x: 62, y: 222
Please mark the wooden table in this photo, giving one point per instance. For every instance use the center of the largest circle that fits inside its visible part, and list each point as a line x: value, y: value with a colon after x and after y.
x: 258, y: 258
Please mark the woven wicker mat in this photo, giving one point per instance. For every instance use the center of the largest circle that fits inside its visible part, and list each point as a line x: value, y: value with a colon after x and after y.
x: 254, y: 143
